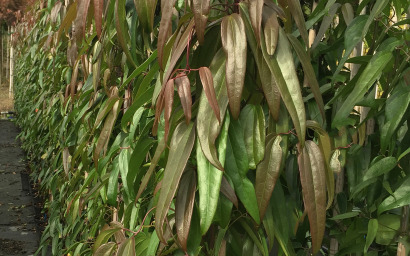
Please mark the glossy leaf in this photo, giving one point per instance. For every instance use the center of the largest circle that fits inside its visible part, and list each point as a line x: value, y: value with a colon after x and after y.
x: 208, y: 84
x: 253, y: 123
x: 168, y: 101
x: 103, y: 237
x: 184, y: 93
x: 184, y: 206
x: 255, y: 13
x: 208, y: 126
x: 283, y: 69
x: 313, y: 180
x: 297, y: 13
x: 271, y: 32
x: 371, y: 233
x: 180, y: 149
x: 200, y: 8
x: 267, y: 173
x: 234, y: 45
x: 380, y: 167
x: 127, y: 248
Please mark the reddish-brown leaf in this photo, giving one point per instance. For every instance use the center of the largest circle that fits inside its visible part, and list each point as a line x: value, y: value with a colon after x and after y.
x: 255, y: 13
x: 200, y: 8
x: 208, y: 84
x: 55, y: 11
x: 228, y: 191
x: 234, y: 44
x: 164, y: 26
x: 271, y: 32
x: 98, y: 13
x: 184, y: 92
x: 80, y: 20
x: 184, y: 206
x: 313, y: 180
x: 168, y: 101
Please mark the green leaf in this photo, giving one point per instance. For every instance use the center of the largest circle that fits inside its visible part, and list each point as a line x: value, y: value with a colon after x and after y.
x: 234, y: 44
x: 297, y: 13
x: 122, y: 31
x: 345, y: 216
x: 253, y: 123
x: 388, y: 227
x: 107, y: 249
x: 371, y: 233
x: 236, y: 168
x: 313, y: 180
x: 209, y: 180
x: 208, y: 126
x: 200, y: 8
x: 146, y: 12
x: 309, y: 73
x: 127, y: 248
x: 267, y: 173
x: 283, y: 69
x: 181, y: 146
x: 123, y: 162
x: 112, y: 189
x: 366, y: 80
x: 380, y: 167
x: 324, y: 26
x: 184, y: 206
x: 103, y: 237
x: 399, y: 198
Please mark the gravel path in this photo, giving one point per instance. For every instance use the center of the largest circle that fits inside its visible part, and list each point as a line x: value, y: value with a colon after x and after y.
x: 18, y: 234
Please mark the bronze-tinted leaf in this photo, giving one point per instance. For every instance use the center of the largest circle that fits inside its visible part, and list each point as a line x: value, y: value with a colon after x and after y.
x: 127, y: 248
x: 184, y: 92
x: 107, y: 249
x: 234, y: 44
x: 181, y: 146
x: 200, y: 8
x: 271, y: 32
x: 208, y: 84
x: 255, y: 13
x: 166, y: 20
x: 146, y: 13
x: 68, y: 20
x: 168, y: 101
x: 267, y: 172
x: 184, y: 206
x: 98, y: 13
x: 313, y: 180
x: 228, y: 191
x: 207, y: 123
x: 297, y: 13
x: 55, y: 11
x: 80, y: 20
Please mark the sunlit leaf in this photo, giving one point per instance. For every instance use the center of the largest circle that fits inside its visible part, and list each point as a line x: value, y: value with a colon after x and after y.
x: 127, y: 248
x: 200, y: 8
x: 184, y: 91
x: 98, y: 13
x: 255, y: 13
x: 208, y: 84
x: 164, y: 27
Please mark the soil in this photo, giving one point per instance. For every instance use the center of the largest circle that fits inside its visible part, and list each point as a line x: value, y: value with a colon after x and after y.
x: 19, y: 233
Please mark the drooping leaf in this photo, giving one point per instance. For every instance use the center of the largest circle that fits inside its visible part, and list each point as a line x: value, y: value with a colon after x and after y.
x: 271, y: 32
x: 234, y: 44
x: 283, y: 69
x: 127, y: 248
x: 208, y: 84
x: 209, y: 179
x: 184, y: 206
x: 309, y: 73
x: 122, y: 31
x: 313, y: 180
x: 68, y: 20
x: 255, y: 13
x: 267, y: 172
x: 200, y: 8
x: 146, y: 12
x: 388, y: 225
x: 399, y: 198
x: 297, y: 13
x: 80, y: 20
x: 253, y: 123
x: 324, y: 26
x: 103, y: 237
x: 371, y: 233
x: 112, y: 188
x: 107, y: 249
x: 207, y: 123
x: 184, y: 92
x: 168, y: 101
x: 237, y: 166
x: 370, y: 75
x: 164, y: 27
x: 228, y: 191
x: 98, y: 13
x: 181, y: 146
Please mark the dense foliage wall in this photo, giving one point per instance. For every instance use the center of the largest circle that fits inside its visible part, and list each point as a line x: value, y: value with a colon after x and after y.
x: 218, y: 127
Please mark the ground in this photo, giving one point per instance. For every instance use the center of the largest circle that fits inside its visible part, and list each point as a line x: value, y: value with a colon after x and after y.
x: 19, y: 231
